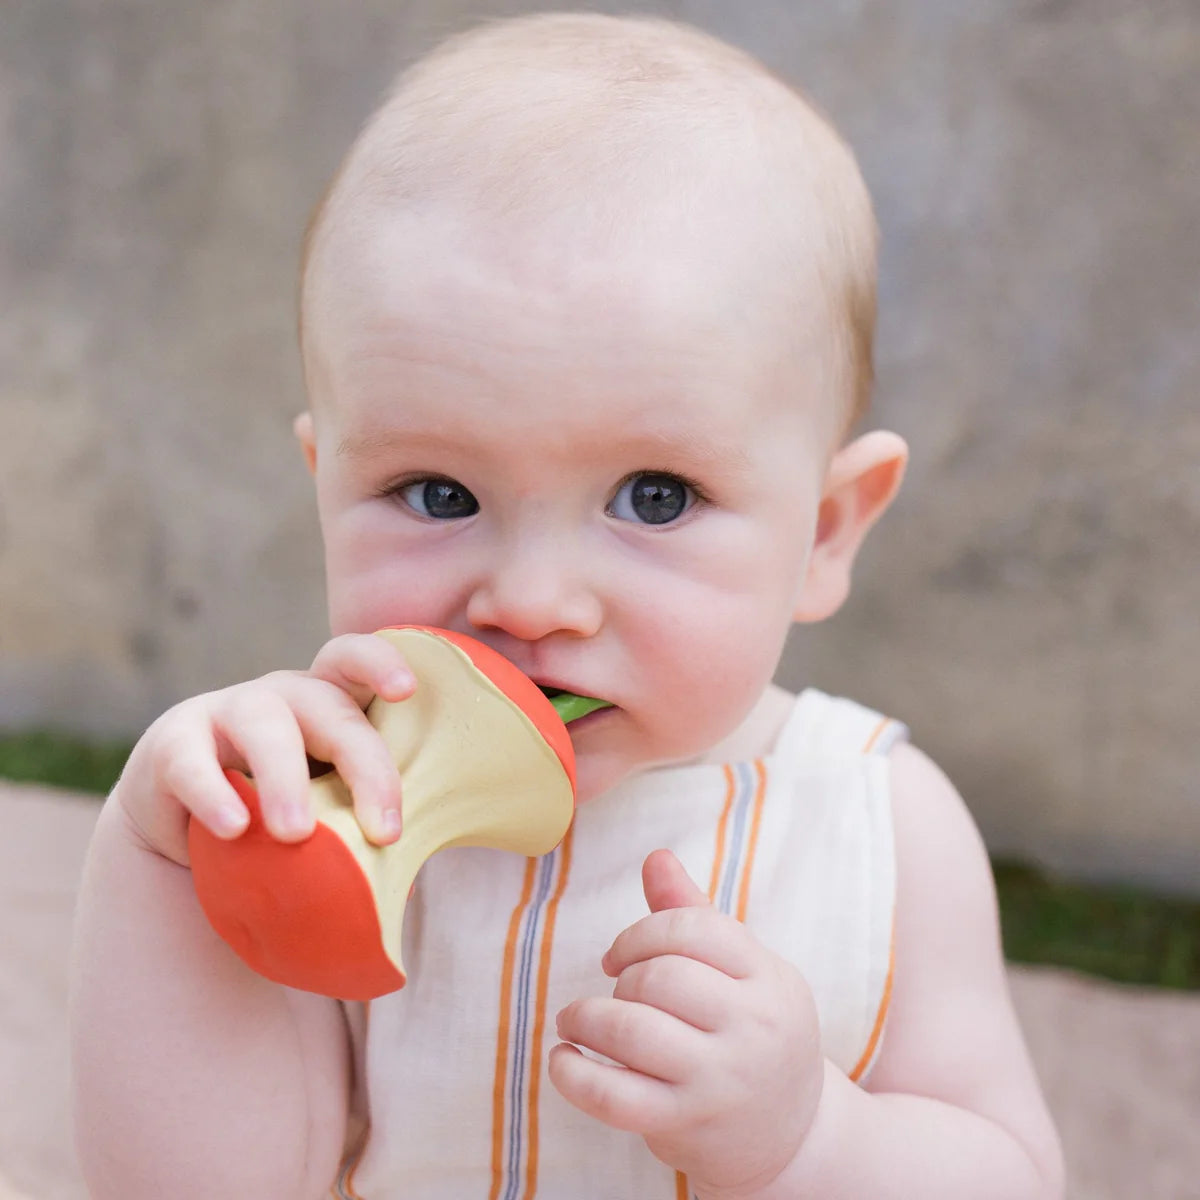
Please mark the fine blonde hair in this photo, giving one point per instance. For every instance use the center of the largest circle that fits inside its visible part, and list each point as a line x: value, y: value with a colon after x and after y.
x: 526, y: 115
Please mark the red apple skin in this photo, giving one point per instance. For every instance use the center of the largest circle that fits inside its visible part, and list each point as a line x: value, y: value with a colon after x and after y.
x: 300, y: 913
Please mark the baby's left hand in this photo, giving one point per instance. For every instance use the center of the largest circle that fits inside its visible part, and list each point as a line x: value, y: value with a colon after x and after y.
x: 716, y: 1036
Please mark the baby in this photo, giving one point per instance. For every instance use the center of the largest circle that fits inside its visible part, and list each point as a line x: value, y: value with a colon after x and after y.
x: 586, y: 322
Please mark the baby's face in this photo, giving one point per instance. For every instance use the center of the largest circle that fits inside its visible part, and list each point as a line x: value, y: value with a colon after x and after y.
x: 583, y: 468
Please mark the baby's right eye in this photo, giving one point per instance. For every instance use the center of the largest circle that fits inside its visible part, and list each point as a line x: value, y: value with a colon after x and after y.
x: 439, y: 499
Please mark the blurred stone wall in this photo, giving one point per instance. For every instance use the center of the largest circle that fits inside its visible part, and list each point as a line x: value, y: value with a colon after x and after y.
x: 1030, y: 607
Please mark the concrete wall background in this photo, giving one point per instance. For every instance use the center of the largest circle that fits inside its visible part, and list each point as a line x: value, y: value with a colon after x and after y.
x: 1031, y: 605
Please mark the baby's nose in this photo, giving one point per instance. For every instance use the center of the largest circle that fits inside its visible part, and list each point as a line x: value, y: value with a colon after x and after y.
x: 532, y: 592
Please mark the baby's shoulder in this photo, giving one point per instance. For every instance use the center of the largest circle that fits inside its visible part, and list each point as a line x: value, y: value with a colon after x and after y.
x: 945, y: 896
x: 932, y: 822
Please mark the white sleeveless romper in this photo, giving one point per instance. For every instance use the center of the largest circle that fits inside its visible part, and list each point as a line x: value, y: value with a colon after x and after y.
x: 452, y: 1069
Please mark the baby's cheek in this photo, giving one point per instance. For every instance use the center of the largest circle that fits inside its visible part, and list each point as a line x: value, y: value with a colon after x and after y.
x: 723, y: 668
x: 368, y: 592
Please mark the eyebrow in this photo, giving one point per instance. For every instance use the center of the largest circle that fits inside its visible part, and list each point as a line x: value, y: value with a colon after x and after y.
x: 679, y: 447
x: 686, y: 446
x: 378, y: 442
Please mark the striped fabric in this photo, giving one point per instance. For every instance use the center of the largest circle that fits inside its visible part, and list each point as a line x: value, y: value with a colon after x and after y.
x: 522, y: 1026
x: 796, y: 844
x: 343, y: 1188
x: 733, y: 855
x: 737, y: 837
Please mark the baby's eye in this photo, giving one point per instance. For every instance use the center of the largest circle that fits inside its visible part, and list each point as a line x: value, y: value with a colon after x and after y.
x: 440, y: 499
x: 651, y: 499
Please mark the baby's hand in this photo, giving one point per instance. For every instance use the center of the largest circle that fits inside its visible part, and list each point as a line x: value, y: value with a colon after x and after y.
x: 717, y: 1038
x: 266, y: 727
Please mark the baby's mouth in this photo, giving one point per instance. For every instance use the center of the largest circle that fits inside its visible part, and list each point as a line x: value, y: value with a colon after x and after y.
x: 571, y: 707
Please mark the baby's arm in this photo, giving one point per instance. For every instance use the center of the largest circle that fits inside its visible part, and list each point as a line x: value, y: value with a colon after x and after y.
x: 719, y: 1046
x: 952, y: 1107
x: 194, y: 1077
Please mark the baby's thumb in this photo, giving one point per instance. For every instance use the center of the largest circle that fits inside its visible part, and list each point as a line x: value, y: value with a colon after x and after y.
x: 667, y: 884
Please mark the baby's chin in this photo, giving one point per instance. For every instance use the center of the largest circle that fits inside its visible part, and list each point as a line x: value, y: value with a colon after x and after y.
x: 594, y: 777
x: 598, y: 771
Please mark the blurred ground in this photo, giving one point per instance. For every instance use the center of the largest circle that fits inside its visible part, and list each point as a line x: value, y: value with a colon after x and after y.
x: 1118, y: 1063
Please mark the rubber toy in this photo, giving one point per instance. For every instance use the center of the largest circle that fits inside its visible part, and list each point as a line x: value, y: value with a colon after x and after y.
x: 484, y: 760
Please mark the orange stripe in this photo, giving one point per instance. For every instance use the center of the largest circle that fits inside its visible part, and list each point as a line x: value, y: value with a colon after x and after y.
x: 681, y: 1184
x: 755, y: 825
x: 875, y: 735
x: 881, y: 1016
x: 345, y: 1190
x: 348, y: 1187
x: 722, y: 829
x: 502, y: 1032
x: 539, y: 1025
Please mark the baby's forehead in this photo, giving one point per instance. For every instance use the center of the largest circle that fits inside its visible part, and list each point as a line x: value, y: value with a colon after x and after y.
x: 471, y: 342
x: 435, y: 287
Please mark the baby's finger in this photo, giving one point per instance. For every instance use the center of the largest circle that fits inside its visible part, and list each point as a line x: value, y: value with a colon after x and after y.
x: 689, y: 990
x: 364, y: 666
x: 189, y: 772
x: 635, y: 1035
x: 336, y: 731
x: 617, y: 1096
x: 699, y: 933
x: 265, y: 738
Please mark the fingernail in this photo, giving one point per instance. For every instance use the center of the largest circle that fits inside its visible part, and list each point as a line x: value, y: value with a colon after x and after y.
x: 391, y: 823
x: 294, y: 818
x: 400, y: 681
x: 232, y: 819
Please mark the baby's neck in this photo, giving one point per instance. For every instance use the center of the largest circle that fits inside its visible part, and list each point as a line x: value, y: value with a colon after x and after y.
x: 758, y: 732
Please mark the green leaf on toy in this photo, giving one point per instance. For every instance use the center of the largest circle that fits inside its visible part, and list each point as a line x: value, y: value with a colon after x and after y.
x: 571, y: 707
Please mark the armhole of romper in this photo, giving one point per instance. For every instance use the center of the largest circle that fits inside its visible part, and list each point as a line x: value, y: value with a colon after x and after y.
x: 880, y: 743
x: 821, y: 725
x: 824, y: 727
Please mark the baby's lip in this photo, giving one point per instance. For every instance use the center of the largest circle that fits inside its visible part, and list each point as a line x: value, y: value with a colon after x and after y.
x: 550, y: 686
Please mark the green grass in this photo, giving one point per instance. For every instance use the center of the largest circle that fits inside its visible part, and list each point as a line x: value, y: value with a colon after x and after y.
x: 1120, y: 933
x: 62, y: 760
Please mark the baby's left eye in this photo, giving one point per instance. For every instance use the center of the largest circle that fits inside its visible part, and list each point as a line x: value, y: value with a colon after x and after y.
x: 651, y: 498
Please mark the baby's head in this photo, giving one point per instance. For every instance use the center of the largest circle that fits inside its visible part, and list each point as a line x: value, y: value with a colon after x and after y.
x: 586, y: 316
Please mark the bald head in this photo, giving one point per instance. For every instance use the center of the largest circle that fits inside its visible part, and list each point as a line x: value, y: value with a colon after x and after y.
x: 615, y: 139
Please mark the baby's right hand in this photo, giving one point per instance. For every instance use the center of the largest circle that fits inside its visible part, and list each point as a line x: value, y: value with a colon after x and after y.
x: 265, y: 728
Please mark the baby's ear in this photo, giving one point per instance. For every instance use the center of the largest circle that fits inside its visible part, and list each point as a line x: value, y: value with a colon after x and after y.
x: 862, y: 479
x: 306, y: 435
